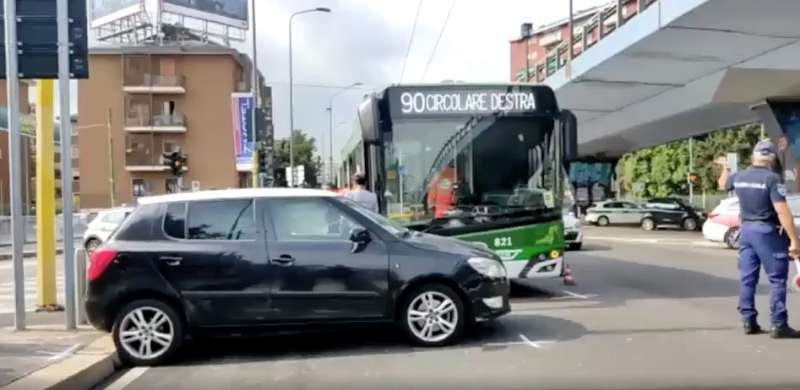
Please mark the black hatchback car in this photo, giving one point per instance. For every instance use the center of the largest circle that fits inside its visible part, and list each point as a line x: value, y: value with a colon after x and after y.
x: 671, y: 211
x: 237, y: 260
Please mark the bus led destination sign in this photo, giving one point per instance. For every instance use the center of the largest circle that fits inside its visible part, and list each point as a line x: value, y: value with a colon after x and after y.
x: 464, y: 102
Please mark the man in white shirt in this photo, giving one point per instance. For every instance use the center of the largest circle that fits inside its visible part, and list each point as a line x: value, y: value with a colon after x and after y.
x: 361, y: 195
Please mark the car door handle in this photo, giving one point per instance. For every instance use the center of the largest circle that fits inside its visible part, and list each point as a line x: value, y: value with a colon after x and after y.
x: 284, y: 260
x: 172, y: 261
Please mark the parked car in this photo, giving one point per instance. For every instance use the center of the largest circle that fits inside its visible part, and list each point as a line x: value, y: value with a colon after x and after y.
x: 573, y: 236
x: 614, y: 212
x: 101, y: 227
x: 723, y: 222
x: 233, y: 261
x: 671, y: 211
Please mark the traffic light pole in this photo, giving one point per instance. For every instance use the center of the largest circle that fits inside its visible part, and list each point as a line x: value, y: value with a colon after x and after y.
x: 15, y: 165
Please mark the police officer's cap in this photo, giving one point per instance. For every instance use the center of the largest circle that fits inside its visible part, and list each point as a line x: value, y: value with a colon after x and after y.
x: 765, y: 148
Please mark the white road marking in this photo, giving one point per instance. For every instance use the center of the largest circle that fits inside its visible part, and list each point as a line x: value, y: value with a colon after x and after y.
x: 579, y: 296
x: 63, y: 354
x: 127, y: 378
x: 538, y: 344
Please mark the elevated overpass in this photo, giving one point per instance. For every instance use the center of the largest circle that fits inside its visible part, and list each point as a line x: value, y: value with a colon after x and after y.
x: 681, y: 68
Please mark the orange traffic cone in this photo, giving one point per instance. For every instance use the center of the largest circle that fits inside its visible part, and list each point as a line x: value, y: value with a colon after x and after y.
x: 569, y: 280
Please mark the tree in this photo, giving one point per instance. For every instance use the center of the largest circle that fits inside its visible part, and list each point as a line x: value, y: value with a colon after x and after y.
x: 304, y: 150
x: 664, y: 169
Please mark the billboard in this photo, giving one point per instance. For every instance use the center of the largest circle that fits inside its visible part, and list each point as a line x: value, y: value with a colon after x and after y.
x: 242, y: 106
x: 107, y: 11
x: 228, y: 12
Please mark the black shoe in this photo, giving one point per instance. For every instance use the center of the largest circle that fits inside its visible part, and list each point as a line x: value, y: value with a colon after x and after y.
x: 751, y: 327
x: 784, y: 332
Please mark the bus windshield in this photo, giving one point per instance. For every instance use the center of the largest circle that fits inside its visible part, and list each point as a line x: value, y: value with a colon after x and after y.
x: 461, y: 174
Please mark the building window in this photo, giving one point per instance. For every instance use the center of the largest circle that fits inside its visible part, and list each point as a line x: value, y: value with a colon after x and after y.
x: 171, y: 185
x: 139, y: 187
x: 171, y: 146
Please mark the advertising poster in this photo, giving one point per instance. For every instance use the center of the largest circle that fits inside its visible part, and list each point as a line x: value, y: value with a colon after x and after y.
x: 242, y: 107
x: 107, y: 11
x: 228, y: 12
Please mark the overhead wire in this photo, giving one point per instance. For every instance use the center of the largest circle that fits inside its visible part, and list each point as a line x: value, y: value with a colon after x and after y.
x: 439, y: 39
x: 411, y: 40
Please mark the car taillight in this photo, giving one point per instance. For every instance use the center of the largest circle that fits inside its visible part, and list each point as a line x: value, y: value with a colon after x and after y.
x: 101, y: 258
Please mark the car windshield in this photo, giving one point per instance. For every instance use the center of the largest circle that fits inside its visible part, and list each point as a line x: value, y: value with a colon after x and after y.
x: 388, y: 225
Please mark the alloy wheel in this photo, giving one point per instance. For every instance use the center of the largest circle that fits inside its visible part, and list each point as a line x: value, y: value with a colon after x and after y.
x: 146, y: 333
x: 432, y: 316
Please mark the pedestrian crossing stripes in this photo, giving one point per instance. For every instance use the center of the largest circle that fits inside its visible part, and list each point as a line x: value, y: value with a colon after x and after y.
x: 7, y: 294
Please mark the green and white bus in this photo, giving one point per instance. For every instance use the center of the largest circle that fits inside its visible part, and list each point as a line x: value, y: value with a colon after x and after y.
x: 483, y: 163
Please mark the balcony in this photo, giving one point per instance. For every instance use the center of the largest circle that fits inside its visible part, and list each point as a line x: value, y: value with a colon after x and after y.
x: 160, y: 123
x: 143, y: 152
x: 155, y: 84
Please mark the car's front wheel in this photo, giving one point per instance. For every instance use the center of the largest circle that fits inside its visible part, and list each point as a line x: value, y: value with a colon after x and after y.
x: 147, y: 333
x: 690, y: 224
x: 649, y: 224
x: 603, y: 221
x: 433, y: 316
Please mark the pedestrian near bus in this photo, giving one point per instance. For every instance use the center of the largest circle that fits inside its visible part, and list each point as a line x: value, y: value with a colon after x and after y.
x: 768, y: 239
x: 361, y: 195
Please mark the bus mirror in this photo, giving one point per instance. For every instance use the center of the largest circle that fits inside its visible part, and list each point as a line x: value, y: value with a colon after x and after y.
x: 368, y: 119
x: 569, y: 132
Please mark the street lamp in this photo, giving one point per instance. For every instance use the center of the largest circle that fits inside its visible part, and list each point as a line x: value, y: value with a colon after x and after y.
x: 291, y: 90
x: 330, y: 130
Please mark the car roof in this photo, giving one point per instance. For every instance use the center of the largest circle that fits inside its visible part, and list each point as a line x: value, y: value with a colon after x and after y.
x: 237, y: 194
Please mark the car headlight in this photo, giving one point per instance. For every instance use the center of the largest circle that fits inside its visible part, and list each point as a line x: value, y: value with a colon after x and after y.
x: 488, y: 267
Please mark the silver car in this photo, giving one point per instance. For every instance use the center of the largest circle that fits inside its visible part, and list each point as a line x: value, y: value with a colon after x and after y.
x: 615, y: 212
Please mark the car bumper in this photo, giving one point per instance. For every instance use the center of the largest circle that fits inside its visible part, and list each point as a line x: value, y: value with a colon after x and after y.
x: 592, y: 218
x: 95, y: 314
x: 521, y: 269
x: 573, y: 236
x: 714, y: 231
x: 489, y: 299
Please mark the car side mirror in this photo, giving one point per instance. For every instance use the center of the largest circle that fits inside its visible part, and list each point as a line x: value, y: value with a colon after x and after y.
x: 360, y: 238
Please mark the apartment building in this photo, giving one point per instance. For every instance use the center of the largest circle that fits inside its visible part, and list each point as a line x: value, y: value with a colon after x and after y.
x: 539, y: 52
x: 159, y: 99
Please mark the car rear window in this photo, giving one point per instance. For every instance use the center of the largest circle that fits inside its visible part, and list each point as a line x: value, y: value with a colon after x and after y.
x: 230, y: 219
x: 175, y: 220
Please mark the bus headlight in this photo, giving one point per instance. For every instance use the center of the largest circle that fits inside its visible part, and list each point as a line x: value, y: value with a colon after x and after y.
x: 488, y: 267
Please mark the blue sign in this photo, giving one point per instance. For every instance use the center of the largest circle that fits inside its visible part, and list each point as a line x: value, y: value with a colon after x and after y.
x: 242, y: 105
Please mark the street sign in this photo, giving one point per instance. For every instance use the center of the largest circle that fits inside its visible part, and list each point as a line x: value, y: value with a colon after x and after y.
x: 37, y: 40
x: 733, y: 162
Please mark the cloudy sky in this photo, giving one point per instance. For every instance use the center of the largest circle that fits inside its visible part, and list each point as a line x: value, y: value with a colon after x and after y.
x: 366, y: 41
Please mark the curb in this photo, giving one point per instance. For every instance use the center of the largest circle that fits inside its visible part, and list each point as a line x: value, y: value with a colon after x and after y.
x: 83, y: 370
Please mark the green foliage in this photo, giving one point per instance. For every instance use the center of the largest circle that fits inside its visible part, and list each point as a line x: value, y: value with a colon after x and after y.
x: 664, y: 169
x: 304, y: 150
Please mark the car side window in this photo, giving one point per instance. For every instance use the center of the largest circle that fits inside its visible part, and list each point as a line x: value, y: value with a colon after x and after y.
x: 309, y: 219
x: 115, y: 217
x: 230, y: 219
x: 175, y: 220
x: 612, y: 205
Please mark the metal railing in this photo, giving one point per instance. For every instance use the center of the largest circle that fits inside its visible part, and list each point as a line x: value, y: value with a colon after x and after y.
x: 604, y: 22
x: 154, y: 80
x: 175, y: 119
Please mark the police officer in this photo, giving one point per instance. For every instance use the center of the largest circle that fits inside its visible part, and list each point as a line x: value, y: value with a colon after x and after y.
x: 768, y: 238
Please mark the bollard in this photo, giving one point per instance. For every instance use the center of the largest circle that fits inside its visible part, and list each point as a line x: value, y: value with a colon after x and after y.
x: 80, y: 285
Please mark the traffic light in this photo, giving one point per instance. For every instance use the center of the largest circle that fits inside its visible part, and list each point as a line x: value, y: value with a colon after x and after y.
x: 175, y: 161
x: 261, y: 160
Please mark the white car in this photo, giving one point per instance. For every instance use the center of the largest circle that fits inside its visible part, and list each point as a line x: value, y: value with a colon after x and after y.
x: 572, y: 231
x: 101, y: 227
x: 615, y: 212
x: 722, y: 224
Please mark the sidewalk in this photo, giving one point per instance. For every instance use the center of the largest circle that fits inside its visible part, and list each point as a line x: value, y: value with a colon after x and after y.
x: 48, y: 357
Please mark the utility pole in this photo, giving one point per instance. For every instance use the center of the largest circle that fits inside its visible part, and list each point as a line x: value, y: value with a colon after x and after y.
x: 112, y: 178
x: 691, y: 171
x: 255, y: 89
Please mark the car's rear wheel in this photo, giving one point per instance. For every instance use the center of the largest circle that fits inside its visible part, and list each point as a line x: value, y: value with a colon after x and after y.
x: 732, y: 238
x: 147, y: 333
x: 91, y: 245
x: 433, y: 315
x: 689, y: 224
x: 649, y: 224
x: 602, y: 221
